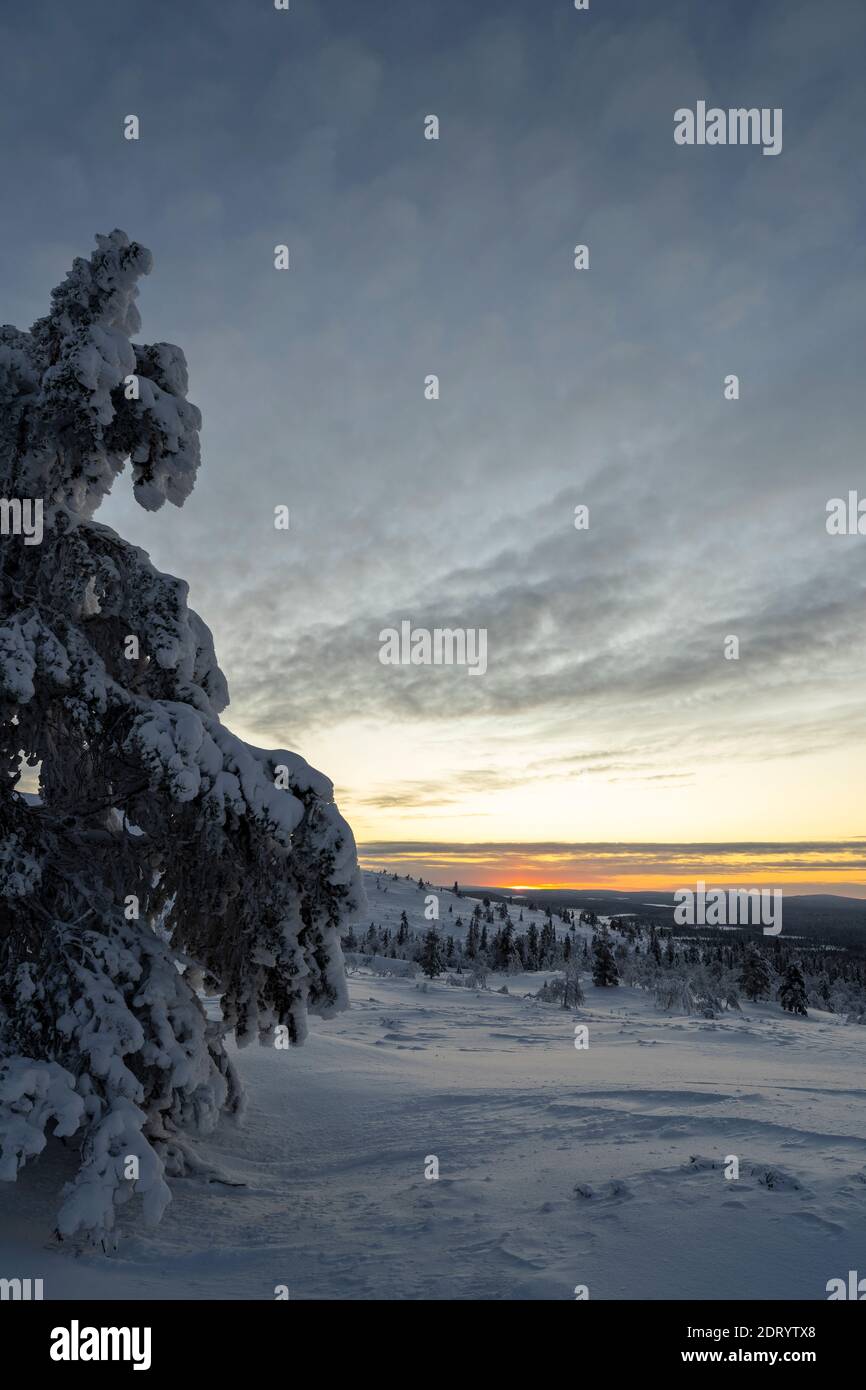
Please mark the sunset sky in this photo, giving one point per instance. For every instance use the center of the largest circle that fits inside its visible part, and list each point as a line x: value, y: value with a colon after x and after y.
x: 609, y: 742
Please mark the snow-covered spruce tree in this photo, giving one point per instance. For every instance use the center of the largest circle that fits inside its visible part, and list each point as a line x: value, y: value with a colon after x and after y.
x: 792, y: 991
x: 430, y: 958
x: 162, y: 852
x: 604, y: 969
x: 755, y: 975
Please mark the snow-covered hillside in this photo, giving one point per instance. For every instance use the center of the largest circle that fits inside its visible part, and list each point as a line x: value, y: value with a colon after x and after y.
x: 558, y: 1166
x: 388, y: 897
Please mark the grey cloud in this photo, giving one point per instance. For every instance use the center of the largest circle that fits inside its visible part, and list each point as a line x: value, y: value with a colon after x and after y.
x: 557, y: 388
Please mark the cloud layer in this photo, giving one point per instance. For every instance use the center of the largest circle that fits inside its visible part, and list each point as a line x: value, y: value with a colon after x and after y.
x: 607, y: 696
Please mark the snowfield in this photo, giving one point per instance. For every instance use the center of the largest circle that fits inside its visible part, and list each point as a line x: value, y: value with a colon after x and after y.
x: 558, y: 1166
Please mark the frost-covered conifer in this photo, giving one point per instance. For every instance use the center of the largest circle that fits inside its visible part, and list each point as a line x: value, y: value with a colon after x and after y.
x: 755, y: 975
x: 162, y: 851
x: 572, y: 992
x: 604, y: 968
x: 792, y: 991
x: 430, y: 959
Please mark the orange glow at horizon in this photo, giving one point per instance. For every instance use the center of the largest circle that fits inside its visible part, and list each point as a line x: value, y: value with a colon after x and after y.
x: 603, y: 869
x: 667, y: 884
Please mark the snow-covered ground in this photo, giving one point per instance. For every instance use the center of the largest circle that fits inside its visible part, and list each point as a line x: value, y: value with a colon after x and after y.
x: 557, y: 1166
